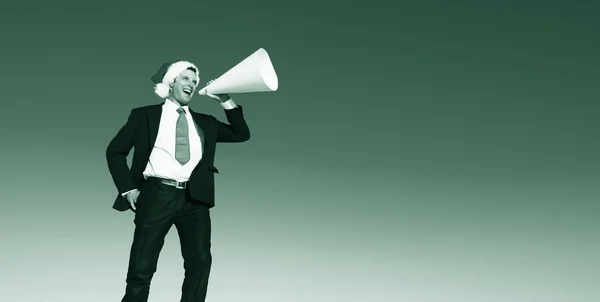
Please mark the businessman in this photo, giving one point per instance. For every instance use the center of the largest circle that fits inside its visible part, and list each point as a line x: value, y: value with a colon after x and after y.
x: 171, y: 179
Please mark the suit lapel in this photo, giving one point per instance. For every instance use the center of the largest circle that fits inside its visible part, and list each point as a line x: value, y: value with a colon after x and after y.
x: 198, y: 122
x: 154, y: 114
x: 198, y: 129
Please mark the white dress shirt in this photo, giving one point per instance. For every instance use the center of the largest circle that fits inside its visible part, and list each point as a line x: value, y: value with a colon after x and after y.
x: 162, y: 162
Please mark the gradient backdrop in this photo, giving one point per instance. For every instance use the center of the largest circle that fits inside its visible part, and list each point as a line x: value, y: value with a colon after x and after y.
x: 417, y: 151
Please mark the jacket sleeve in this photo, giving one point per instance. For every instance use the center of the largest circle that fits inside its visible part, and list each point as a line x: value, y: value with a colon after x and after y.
x: 236, y: 131
x: 117, y: 151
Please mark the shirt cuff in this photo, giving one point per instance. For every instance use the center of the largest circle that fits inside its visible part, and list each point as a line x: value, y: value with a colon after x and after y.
x: 229, y: 104
x: 127, y: 192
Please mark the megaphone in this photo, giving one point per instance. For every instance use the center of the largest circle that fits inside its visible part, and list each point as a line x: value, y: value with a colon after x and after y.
x: 253, y: 74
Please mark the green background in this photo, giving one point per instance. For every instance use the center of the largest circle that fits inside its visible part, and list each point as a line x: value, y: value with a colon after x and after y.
x: 415, y: 151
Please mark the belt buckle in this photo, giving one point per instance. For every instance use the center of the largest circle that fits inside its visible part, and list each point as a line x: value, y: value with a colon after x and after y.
x: 180, y: 185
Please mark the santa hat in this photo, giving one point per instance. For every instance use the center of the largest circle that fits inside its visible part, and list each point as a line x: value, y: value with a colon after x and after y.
x: 167, y: 74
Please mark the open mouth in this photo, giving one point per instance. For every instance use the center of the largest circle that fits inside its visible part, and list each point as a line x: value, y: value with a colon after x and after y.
x: 187, y: 90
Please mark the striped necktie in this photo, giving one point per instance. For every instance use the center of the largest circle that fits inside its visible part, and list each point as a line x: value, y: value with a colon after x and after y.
x: 182, y: 140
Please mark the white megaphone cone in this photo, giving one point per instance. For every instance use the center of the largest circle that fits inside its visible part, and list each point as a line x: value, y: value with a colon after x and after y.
x: 253, y: 74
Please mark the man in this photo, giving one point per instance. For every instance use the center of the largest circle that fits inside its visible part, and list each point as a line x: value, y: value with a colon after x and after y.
x: 171, y: 180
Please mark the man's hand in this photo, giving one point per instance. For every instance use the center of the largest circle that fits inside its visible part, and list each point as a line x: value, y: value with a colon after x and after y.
x: 132, y: 198
x: 222, y: 98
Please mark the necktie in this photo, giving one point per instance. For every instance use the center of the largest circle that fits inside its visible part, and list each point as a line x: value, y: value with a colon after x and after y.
x: 182, y: 141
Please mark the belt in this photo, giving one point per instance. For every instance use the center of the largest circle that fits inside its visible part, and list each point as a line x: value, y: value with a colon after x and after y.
x: 173, y: 183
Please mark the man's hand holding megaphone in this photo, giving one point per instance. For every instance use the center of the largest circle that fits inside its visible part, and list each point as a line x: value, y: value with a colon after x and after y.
x: 221, y: 98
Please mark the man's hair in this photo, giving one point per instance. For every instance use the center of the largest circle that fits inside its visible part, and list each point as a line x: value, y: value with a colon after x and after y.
x: 189, y: 68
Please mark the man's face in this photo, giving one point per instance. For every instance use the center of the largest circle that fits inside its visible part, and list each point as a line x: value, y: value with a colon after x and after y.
x: 184, y: 87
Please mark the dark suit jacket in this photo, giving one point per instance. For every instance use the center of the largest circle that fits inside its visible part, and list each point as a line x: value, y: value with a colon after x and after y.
x: 140, y: 133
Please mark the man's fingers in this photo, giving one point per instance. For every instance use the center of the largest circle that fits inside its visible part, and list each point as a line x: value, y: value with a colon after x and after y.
x: 133, y: 199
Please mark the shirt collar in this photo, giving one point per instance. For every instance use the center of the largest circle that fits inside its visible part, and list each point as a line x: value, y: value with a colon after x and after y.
x: 173, y: 106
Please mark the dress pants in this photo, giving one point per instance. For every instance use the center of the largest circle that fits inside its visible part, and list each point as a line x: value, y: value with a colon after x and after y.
x: 160, y: 206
